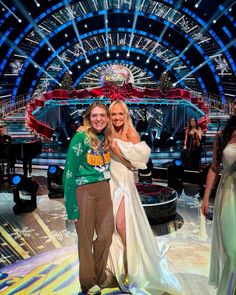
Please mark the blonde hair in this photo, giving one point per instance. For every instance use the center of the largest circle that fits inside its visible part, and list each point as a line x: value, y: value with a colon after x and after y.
x: 127, y: 122
x: 90, y: 132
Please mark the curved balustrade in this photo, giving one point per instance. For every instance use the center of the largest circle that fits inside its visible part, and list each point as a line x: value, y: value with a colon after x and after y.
x: 40, y: 127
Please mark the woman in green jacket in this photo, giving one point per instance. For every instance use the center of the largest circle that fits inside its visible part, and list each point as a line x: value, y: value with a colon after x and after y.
x: 87, y: 195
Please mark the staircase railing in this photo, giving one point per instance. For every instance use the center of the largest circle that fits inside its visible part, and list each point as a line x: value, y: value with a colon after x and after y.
x: 6, y: 107
x: 214, y: 100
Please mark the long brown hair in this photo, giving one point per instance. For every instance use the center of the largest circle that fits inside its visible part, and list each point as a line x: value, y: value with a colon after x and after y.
x: 189, y: 123
x: 127, y: 122
x: 90, y: 132
x: 225, y: 135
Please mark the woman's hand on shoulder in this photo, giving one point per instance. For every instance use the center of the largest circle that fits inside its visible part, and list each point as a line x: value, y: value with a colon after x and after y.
x: 115, y: 148
x: 81, y: 128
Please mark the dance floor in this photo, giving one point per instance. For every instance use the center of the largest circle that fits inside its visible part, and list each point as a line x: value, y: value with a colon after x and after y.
x: 38, y: 250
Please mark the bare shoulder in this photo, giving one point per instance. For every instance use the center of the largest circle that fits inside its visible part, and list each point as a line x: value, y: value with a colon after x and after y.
x: 132, y: 135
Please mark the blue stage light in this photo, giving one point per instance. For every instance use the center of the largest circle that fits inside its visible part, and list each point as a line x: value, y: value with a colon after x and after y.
x: 55, y: 188
x: 19, y: 183
x: 15, y: 180
x: 52, y: 169
x: 178, y: 162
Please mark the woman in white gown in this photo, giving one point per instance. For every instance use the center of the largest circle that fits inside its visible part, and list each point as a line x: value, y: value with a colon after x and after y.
x: 136, y: 258
x: 223, y: 245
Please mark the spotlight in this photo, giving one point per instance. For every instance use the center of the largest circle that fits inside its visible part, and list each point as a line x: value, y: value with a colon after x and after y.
x: 175, y: 173
x: 22, y: 183
x: 55, y: 189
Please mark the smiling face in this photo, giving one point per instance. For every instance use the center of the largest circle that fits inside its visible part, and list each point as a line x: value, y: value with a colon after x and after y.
x: 118, y: 116
x: 98, y: 119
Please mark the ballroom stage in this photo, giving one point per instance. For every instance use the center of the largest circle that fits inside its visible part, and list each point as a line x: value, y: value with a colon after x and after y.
x: 38, y: 251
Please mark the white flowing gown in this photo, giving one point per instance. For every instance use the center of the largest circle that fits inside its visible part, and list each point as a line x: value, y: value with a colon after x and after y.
x: 147, y: 267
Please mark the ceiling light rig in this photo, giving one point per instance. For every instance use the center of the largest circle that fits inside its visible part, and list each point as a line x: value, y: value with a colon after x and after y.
x: 38, y: 29
x: 205, y: 62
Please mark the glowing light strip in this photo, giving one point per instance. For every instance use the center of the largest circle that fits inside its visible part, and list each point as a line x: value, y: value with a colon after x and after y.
x: 4, y: 5
x: 106, y: 30
x: 134, y: 25
x: 75, y: 28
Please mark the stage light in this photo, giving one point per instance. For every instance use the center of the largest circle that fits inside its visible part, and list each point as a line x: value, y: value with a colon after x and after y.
x: 170, y: 141
x: 55, y: 189
x: 145, y: 175
x: 157, y: 142
x: 177, y: 163
x: 22, y: 183
x: 175, y: 175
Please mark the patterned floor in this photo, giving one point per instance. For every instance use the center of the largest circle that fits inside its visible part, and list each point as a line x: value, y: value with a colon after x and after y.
x: 38, y: 250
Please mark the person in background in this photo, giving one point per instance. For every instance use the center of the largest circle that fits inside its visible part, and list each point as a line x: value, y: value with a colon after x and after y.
x: 4, y: 138
x: 192, y: 145
x: 223, y: 249
x: 87, y: 195
x: 5, y: 163
x: 136, y: 258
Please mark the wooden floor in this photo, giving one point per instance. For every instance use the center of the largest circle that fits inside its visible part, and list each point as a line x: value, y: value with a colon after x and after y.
x: 39, y: 250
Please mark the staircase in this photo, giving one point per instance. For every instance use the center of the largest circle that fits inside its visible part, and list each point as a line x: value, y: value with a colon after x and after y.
x: 218, y: 120
x: 15, y: 127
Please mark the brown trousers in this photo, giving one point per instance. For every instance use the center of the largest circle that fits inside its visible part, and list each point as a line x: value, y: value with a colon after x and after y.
x: 96, y: 215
